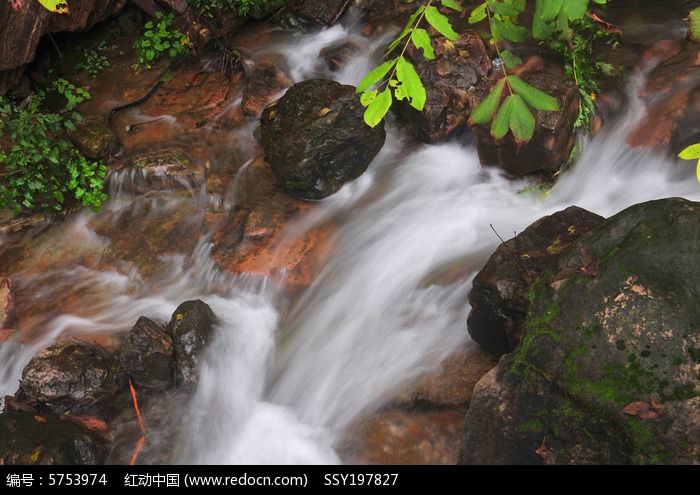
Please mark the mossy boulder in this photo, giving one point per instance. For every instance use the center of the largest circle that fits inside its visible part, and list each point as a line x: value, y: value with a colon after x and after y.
x: 608, y: 369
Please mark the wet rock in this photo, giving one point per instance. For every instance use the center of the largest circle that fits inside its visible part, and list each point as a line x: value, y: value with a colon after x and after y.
x: 325, y: 13
x: 191, y: 327
x: 68, y: 376
x: 553, y: 140
x: 255, y: 241
x: 169, y: 225
x: 449, y: 80
x: 25, y: 24
x: 94, y: 138
x: 315, y: 139
x: 46, y: 439
x: 6, y: 305
x: 672, y: 91
x: 452, y: 384
x: 264, y: 85
x: 607, y: 371
x: 400, y: 437
x: 338, y: 54
x: 146, y: 355
x: 499, y: 297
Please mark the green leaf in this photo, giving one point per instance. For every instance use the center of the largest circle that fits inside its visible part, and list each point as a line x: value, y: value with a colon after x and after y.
x: 377, y: 109
x: 575, y: 9
x: 501, y: 122
x: 411, y: 86
x: 694, y: 23
x: 421, y: 39
x: 451, y: 4
x: 510, y: 60
x: 541, y: 30
x: 535, y: 97
x: 521, y: 121
x: 478, y: 14
x: 485, y: 110
x: 691, y: 152
x: 440, y: 22
x: 504, y: 9
x: 511, y: 32
x: 368, y: 96
x: 548, y: 10
x: 375, y: 75
x: 57, y: 6
x: 406, y: 30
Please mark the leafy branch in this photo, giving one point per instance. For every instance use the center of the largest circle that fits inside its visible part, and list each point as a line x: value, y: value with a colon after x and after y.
x: 510, y: 104
x: 397, y: 76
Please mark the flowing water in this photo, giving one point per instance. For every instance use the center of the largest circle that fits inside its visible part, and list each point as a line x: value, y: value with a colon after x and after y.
x: 282, y: 387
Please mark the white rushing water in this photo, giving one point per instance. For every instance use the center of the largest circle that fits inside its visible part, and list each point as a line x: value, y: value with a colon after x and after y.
x: 276, y: 390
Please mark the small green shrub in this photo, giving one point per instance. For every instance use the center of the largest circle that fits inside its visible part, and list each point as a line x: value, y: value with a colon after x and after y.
x: 160, y: 39
x: 95, y: 60
x: 242, y: 8
x: 40, y: 169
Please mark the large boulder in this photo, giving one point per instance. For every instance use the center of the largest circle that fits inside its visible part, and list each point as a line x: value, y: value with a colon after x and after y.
x: 315, y: 139
x: 499, y: 298
x: 608, y: 369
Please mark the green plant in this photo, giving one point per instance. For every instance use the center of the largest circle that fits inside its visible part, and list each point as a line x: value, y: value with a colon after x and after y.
x: 694, y: 23
x: 159, y: 39
x: 692, y: 152
x: 42, y: 170
x: 582, y: 65
x: 95, y: 60
x: 510, y: 104
x: 242, y: 8
x: 396, y: 77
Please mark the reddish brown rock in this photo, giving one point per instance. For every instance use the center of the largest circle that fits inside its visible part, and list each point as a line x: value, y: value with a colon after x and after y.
x: 6, y: 307
x: 672, y: 93
x: 408, y: 438
x: 257, y: 239
x: 453, y: 382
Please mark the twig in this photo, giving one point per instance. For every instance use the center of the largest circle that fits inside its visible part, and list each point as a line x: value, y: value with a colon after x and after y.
x: 524, y: 272
x: 139, y: 444
x: 60, y: 55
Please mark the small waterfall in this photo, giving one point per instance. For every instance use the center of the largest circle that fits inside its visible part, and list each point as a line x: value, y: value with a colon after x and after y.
x: 280, y: 388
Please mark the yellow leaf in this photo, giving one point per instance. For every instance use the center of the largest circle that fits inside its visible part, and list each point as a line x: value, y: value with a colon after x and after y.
x: 57, y: 6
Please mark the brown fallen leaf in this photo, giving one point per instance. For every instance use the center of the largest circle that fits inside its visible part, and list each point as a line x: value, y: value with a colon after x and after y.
x: 40, y: 419
x: 643, y: 410
x: 542, y: 451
